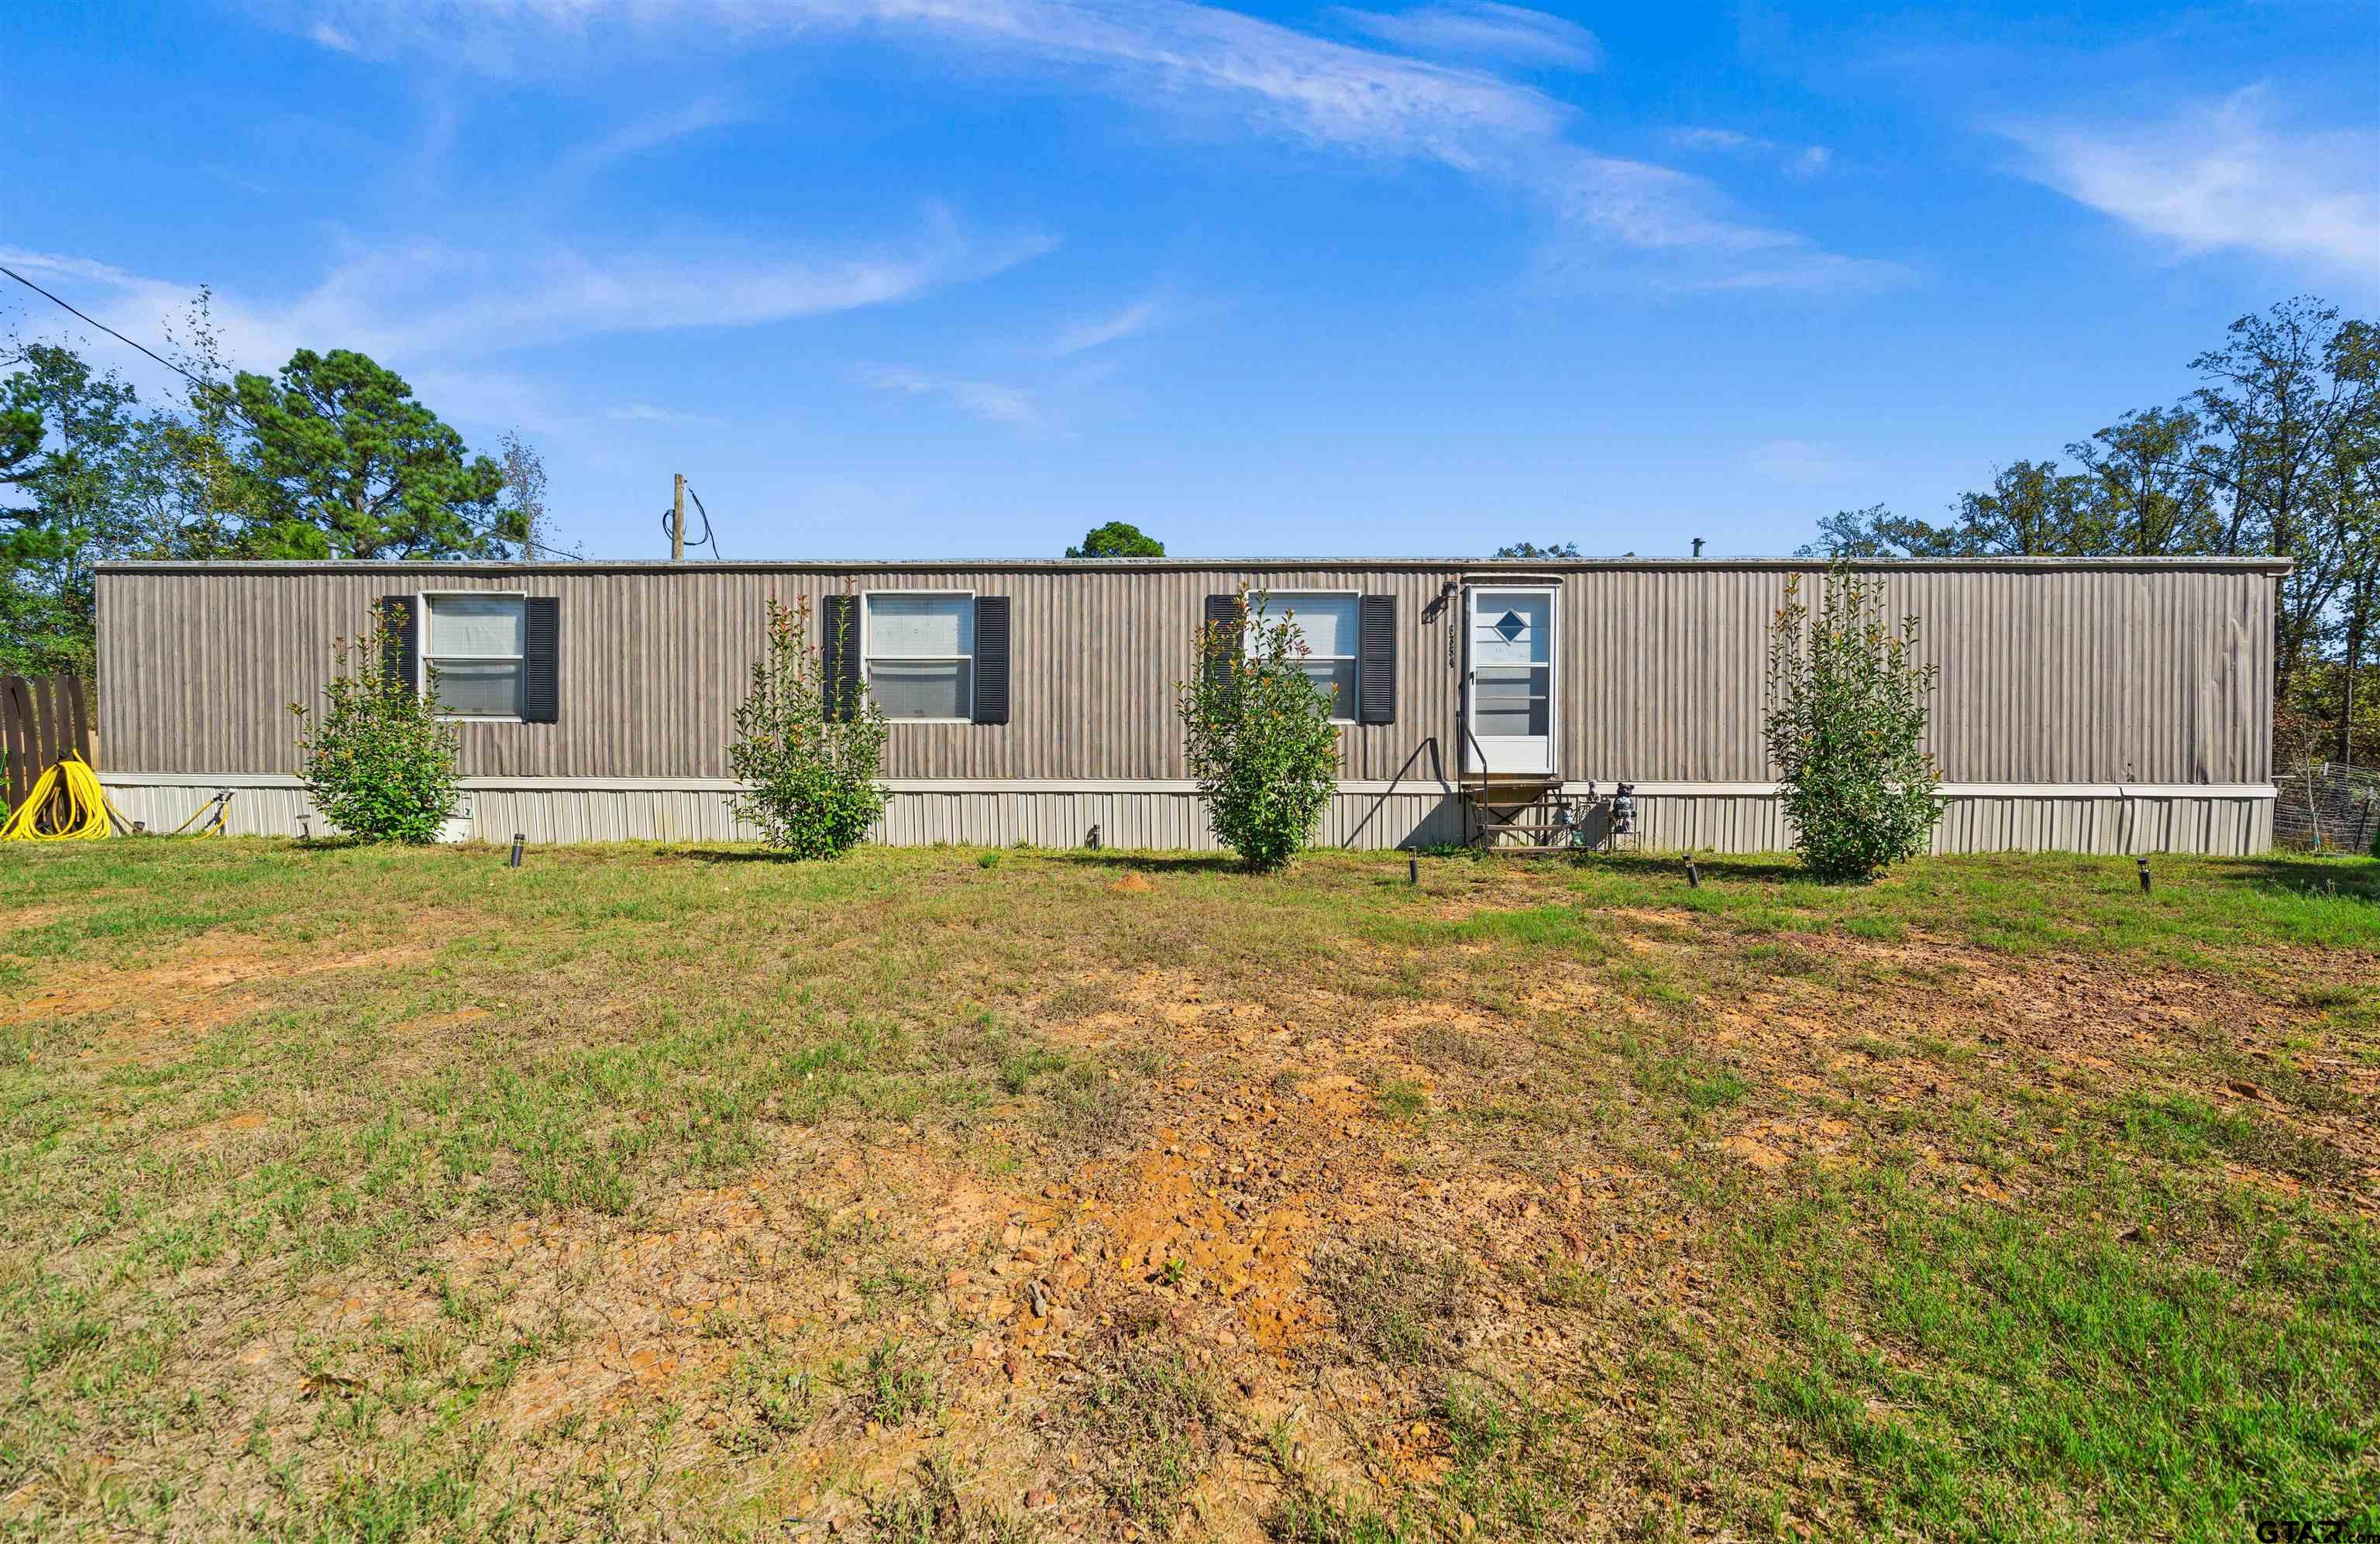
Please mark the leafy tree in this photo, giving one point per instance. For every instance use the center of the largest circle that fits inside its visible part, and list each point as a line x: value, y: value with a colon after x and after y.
x: 2285, y: 396
x: 348, y: 464
x: 1846, y: 728
x: 2356, y: 619
x: 523, y: 499
x: 1260, y: 739
x: 1530, y: 548
x: 66, y: 439
x: 195, y: 492
x: 1117, y: 538
x: 2031, y: 510
x: 378, y: 760
x: 808, y: 766
x: 1877, y: 532
x: 2150, y: 496
x: 334, y: 459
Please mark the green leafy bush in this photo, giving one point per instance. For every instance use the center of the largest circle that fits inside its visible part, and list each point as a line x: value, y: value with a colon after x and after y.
x: 1261, y: 743
x: 377, y: 759
x: 808, y: 771
x: 1846, y: 727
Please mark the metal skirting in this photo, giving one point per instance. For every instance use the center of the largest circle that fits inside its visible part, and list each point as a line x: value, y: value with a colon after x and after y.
x: 2235, y: 820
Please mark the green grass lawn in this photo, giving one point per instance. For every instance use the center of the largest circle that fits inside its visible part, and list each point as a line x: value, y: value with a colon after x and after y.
x: 938, y: 1194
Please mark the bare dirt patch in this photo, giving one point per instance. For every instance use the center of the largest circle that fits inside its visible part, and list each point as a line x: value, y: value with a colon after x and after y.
x: 202, y: 986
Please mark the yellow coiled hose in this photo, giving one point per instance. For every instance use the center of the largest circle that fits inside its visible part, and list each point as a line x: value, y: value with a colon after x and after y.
x: 86, y: 815
x: 84, y: 802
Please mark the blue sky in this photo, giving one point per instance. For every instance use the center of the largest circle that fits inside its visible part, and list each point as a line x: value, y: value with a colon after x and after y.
x: 915, y: 278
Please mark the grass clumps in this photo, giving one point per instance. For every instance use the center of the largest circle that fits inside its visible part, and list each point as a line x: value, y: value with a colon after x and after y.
x: 1398, y: 1306
x: 893, y: 1385
x: 1980, y: 1374
x: 930, y: 1510
x: 1157, y: 1427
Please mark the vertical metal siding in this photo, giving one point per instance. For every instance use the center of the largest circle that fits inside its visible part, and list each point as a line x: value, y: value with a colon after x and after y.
x: 2047, y: 676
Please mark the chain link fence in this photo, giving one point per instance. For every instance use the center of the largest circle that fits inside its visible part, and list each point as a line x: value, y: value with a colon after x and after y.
x: 2326, y: 806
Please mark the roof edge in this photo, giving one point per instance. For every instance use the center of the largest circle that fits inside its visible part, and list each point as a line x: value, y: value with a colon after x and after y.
x: 1451, y: 565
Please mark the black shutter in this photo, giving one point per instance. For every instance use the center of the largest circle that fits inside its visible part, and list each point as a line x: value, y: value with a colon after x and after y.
x: 1377, y: 659
x: 991, y: 659
x: 838, y: 652
x: 541, y: 667
x: 1223, y: 612
x: 401, y: 656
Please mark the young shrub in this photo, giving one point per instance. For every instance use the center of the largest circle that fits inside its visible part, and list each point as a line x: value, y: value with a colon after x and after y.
x: 377, y: 759
x: 1846, y: 727
x: 1261, y: 743
x: 808, y: 765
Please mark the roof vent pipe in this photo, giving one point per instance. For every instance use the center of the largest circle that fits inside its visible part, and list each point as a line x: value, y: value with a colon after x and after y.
x: 1699, y: 546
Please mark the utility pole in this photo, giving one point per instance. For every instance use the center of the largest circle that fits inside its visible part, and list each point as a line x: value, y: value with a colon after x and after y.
x: 677, y: 522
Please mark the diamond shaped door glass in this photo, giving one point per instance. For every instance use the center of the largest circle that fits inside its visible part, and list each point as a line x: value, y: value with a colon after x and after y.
x: 1510, y: 626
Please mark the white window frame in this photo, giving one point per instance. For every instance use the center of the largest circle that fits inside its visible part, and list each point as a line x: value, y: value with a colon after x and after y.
x: 1350, y: 711
x: 421, y: 630
x: 866, y: 660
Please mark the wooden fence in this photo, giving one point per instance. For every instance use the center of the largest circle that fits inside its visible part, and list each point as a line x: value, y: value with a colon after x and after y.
x: 41, y: 720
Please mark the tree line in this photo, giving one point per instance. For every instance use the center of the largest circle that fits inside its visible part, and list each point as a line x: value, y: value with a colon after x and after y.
x: 332, y: 456
x: 2276, y: 452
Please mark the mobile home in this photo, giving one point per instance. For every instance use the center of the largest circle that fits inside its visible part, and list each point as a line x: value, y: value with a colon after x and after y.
x: 2097, y: 705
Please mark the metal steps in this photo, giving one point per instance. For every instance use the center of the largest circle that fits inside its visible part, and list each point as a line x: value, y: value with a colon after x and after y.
x: 1500, y: 805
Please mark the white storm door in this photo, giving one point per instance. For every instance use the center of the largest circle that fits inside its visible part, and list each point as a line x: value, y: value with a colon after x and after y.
x: 1511, y: 700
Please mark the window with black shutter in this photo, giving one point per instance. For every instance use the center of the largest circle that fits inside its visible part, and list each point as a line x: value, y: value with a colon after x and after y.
x: 541, y: 667
x: 1223, y: 615
x: 1376, y: 652
x: 991, y: 659
x: 474, y: 653
x: 918, y: 653
x: 1327, y: 623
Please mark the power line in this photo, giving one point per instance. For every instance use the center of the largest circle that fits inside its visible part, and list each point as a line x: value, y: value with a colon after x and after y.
x: 709, y: 537
x: 104, y: 328
x: 526, y: 543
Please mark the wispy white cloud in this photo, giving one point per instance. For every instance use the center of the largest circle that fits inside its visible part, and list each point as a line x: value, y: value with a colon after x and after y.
x: 1482, y: 29
x: 1804, y: 161
x: 1175, y: 56
x: 655, y: 130
x: 993, y: 401
x: 1167, y: 53
x: 332, y: 37
x: 2220, y: 175
x: 645, y: 412
x: 1624, y: 207
x: 421, y: 300
x: 1696, y: 139
x: 1099, y: 331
